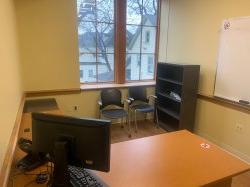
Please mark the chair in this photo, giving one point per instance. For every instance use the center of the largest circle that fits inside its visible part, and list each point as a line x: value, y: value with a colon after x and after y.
x: 112, y: 107
x: 139, y: 102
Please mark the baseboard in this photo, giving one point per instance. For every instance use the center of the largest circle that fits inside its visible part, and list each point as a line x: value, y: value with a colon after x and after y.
x: 227, y: 147
x: 9, y: 155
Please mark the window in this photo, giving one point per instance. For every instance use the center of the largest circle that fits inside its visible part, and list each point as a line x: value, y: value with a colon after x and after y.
x: 81, y: 73
x: 98, y: 41
x: 91, y: 73
x: 147, y: 37
x: 150, y: 65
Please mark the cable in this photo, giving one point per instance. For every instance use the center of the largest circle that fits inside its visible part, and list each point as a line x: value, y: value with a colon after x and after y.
x: 49, y: 171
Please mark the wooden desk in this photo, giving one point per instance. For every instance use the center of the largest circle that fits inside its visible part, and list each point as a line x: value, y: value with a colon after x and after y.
x: 174, y: 159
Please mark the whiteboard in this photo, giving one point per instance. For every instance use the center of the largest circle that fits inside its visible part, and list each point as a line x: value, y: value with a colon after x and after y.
x: 233, y: 65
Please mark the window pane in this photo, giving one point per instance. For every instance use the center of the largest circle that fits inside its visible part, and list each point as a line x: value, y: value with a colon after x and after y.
x: 149, y: 12
x: 133, y: 43
x: 132, y: 66
x: 86, y: 10
x: 147, y: 66
x: 148, y: 39
x: 87, y: 37
x: 105, y: 35
x: 88, y: 67
x: 134, y: 11
x: 105, y: 67
x: 105, y: 11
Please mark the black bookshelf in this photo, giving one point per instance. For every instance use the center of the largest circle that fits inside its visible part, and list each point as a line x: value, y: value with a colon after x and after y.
x: 173, y: 113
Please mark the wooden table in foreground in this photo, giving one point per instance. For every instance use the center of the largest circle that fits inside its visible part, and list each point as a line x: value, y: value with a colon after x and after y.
x: 173, y: 159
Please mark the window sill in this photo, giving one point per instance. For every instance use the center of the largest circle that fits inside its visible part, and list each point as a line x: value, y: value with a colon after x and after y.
x: 113, y: 85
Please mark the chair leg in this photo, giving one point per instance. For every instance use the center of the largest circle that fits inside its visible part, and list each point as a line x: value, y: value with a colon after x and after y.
x: 122, y: 123
x: 157, y: 120
x: 136, y: 121
x: 128, y: 123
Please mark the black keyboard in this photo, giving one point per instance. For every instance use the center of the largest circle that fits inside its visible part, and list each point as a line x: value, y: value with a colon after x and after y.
x: 80, y: 177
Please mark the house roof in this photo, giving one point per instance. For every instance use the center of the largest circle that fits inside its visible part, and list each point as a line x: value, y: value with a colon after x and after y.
x: 88, y: 39
x: 152, y: 19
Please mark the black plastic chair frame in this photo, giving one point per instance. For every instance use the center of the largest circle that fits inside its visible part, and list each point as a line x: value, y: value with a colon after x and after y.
x: 111, y: 102
x: 144, y: 100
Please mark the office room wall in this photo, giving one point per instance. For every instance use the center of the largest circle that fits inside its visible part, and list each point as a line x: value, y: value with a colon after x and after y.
x: 48, y: 44
x: 193, y: 38
x: 10, y: 82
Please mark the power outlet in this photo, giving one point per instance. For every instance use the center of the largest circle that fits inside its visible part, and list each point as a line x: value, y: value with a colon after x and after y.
x: 239, y: 128
x: 75, y: 108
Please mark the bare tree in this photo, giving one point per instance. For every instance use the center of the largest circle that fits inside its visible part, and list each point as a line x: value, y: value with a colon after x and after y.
x: 100, y: 18
x: 100, y: 21
x: 145, y: 7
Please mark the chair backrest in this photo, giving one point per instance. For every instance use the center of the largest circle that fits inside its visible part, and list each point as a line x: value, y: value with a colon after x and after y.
x: 111, y: 96
x: 138, y: 93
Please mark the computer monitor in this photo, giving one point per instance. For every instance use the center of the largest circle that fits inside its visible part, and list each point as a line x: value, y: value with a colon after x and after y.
x: 71, y: 141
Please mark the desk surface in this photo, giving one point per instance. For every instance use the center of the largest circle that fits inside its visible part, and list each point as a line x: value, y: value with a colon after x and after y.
x: 172, y: 159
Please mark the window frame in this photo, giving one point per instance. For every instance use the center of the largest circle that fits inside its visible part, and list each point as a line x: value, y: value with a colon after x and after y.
x: 120, y: 45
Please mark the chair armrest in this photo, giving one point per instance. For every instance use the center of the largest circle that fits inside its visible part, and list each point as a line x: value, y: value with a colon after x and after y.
x: 127, y: 101
x: 99, y: 103
x: 152, y: 96
x: 131, y: 99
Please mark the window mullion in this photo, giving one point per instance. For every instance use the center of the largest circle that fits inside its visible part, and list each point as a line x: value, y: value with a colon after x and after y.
x: 96, y: 43
x: 120, y: 41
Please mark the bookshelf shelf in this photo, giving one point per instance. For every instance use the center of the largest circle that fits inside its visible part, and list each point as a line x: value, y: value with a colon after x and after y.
x: 170, y: 81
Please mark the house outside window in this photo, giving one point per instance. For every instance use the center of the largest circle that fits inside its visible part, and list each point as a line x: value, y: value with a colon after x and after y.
x: 97, y: 36
x: 91, y: 73
x: 150, y: 65
x: 81, y: 73
x: 147, y: 37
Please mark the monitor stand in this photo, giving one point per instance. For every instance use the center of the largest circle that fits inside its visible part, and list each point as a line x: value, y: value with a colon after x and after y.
x: 60, y: 176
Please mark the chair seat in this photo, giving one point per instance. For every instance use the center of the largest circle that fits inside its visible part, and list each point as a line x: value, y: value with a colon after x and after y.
x: 145, y: 108
x: 114, y: 113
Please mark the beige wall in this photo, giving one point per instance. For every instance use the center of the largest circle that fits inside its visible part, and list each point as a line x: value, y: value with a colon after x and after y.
x: 163, y: 31
x: 193, y: 38
x: 48, y: 44
x: 10, y: 84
